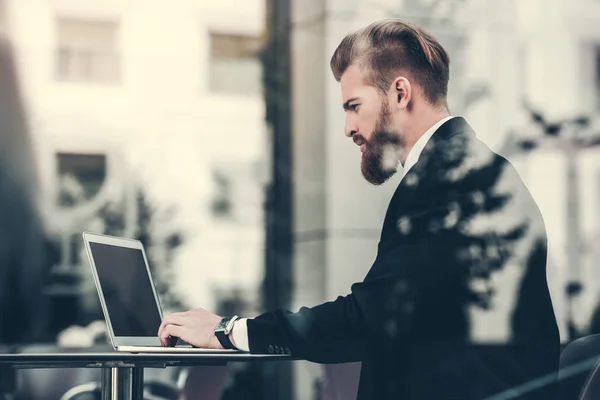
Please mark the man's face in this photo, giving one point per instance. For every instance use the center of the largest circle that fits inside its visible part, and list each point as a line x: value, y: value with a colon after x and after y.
x: 370, y: 125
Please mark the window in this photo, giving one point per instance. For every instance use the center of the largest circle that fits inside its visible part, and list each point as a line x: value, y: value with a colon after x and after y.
x: 87, y: 51
x: 222, y: 202
x: 80, y: 177
x: 235, y: 65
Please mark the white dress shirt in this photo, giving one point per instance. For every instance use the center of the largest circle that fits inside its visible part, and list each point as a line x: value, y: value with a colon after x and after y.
x: 240, y: 329
x: 240, y: 334
x: 417, y: 149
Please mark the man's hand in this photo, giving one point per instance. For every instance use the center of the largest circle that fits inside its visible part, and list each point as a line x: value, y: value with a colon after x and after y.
x: 194, y: 326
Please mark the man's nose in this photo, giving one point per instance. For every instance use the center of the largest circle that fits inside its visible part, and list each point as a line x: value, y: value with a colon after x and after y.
x: 350, y: 133
x: 350, y: 129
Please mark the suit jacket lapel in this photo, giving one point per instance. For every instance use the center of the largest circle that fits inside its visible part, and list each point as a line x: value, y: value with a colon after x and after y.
x: 421, y: 177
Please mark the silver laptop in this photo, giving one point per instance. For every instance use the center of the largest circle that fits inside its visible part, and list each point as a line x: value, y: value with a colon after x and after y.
x: 128, y: 297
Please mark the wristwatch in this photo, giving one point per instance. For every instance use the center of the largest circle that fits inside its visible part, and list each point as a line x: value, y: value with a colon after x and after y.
x: 223, y: 329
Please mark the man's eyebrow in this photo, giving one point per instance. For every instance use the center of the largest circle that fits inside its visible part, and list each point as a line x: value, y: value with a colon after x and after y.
x: 347, y: 103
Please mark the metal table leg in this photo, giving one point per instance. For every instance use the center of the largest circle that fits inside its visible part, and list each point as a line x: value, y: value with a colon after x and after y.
x: 123, y: 383
x: 8, y: 381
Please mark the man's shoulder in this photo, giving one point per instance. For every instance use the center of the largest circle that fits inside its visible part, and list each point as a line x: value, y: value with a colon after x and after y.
x: 462, y: 179
x: 469, y: 158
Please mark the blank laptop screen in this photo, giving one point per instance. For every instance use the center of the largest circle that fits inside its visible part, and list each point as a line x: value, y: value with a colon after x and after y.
x: 127, y: 290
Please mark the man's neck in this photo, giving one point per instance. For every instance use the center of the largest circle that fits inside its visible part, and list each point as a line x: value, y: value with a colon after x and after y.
x: 423, y: 123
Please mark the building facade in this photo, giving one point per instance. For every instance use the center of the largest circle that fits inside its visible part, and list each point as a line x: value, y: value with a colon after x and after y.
x: 148, y: 100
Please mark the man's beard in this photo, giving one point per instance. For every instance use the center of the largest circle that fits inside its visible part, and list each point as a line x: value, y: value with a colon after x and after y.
x: 382, y: 152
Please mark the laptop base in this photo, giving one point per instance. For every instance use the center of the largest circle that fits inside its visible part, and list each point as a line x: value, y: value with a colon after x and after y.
x: 176, y: 349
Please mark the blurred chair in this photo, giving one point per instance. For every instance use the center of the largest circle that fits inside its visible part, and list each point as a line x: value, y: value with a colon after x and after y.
x: 84, y: 383
x: 579, y: 372
x: 85, y: 391
x: 591, y: 389
x: 153, y: 390
x: 51, y: 383
x: 159, y: 384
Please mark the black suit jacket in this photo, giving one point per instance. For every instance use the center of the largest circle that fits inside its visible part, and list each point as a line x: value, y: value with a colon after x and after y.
x: 462, y: 251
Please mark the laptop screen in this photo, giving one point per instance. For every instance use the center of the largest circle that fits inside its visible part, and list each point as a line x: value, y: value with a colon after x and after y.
x: 127, y: 290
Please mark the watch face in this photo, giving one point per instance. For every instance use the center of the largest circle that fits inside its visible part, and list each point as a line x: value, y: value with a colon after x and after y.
x: 226, y: 325
x: 222, y: 326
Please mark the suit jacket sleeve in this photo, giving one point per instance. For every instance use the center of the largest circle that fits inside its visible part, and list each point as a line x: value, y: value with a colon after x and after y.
x: 379, y: 312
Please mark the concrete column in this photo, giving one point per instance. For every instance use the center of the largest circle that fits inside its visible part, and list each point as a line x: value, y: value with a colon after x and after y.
x: 337, y: 215
x: 309, y: 175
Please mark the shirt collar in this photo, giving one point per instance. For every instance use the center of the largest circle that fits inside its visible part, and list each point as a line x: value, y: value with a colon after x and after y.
x: 415, y: 151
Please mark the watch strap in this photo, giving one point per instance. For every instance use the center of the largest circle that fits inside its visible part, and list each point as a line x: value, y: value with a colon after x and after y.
x: 222, y: 330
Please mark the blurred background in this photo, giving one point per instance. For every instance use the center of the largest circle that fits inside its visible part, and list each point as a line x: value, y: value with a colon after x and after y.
x: 213, y: 132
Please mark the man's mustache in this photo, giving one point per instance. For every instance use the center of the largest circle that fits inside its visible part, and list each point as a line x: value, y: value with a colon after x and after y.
x: 359, y: 139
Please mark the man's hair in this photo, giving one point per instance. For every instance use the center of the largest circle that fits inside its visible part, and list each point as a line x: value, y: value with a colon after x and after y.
x: 387, y: 48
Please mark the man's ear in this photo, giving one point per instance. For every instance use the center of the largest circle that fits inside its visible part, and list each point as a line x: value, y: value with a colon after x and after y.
x: 402, y: 91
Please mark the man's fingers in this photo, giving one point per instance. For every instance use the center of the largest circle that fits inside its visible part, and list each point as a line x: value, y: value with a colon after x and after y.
x: 170, y: 330
x: 172, y: 319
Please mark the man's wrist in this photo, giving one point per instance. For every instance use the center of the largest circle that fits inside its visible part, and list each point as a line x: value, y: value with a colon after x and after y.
x: 223, y: 332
